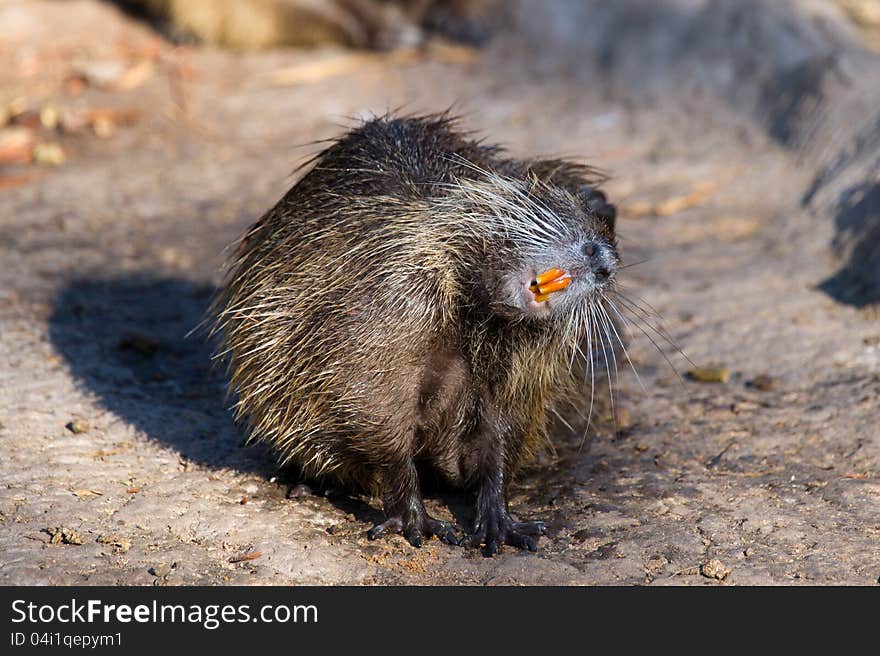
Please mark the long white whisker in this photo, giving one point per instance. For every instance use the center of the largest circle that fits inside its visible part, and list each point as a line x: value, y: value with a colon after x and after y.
x: 646, y: 316
x: 590, y: 367
x: 638, y: 325
x: 620, y: 341
x: 610, y: 363
x: 600, y: 344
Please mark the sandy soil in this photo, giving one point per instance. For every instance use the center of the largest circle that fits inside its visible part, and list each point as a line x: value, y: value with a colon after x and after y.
x: 109, y: 259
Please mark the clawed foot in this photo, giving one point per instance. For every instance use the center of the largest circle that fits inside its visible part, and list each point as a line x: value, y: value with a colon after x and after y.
x: 498, y: 528
x: 416, y: 531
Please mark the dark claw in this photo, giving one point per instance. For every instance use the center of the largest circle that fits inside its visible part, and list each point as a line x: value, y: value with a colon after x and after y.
x: 388, y: 527
x: 531, y: 528
x: 474, y: 540
x: 447, y: 534
x: 521, y: 541
x: 444, y: 531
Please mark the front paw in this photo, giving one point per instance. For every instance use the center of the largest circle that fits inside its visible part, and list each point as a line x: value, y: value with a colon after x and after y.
x: 496, y: 528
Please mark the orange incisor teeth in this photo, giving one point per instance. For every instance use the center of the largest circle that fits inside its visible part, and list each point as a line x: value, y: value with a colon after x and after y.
x: 553, y: 286
x: 547, y: 276
x: 552, y: 280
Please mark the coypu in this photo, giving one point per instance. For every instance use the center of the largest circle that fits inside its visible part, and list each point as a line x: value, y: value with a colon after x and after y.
x: 376, y: 24
x: 418, y: 300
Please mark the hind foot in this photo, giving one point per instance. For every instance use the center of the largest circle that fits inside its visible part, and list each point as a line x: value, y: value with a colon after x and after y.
x: 496, y: 527
x: 416, y: 530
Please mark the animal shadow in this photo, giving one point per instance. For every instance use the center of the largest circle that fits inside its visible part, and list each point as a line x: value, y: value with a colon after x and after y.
x: 127, y: 341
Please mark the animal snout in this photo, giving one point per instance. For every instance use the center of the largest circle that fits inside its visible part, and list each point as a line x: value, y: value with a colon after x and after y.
x: 600, y: 259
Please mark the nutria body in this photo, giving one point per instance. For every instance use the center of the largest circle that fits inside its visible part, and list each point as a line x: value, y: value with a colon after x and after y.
x: 418, y: 300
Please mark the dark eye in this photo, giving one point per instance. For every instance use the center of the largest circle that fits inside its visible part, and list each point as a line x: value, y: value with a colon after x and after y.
x: 592, y: 198
x: 589, y: 249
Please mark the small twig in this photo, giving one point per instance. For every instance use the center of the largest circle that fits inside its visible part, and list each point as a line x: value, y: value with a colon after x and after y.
x: 716, y: 459
x: 253, y: 555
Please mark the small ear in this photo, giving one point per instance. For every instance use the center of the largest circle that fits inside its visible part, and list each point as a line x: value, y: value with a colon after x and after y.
x: 596, y: 203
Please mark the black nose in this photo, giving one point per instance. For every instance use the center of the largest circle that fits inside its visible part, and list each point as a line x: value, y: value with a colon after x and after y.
x: 600, y: 260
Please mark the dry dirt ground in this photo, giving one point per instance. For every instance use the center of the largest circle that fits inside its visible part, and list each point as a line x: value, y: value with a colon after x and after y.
x: 114, y: 426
